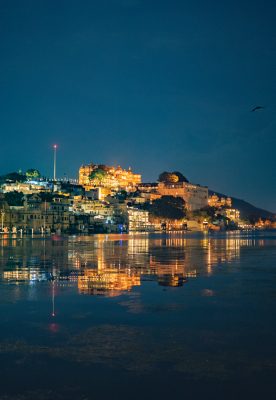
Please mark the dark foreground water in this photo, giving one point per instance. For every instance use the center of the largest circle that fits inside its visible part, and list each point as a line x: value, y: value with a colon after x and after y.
x: 135, y: 317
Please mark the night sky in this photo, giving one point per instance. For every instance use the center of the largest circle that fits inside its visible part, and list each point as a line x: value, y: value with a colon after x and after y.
x: 156, y: 85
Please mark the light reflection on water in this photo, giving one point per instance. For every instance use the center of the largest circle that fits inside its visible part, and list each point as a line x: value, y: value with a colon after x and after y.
x: 113, y: 264
x: 136, y: 307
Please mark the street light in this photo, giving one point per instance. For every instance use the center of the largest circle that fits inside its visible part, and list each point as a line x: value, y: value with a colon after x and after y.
x: 55, y: 160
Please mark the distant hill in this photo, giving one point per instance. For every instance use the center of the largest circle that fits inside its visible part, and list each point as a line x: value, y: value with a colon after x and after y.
x: 247, y: 210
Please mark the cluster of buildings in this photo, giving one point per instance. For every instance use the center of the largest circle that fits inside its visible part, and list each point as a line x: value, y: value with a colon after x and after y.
x: 29, y: 187
x: 35, y: 214
x: 105, y: 199
x: 224, y: 206
x: 218, y: 202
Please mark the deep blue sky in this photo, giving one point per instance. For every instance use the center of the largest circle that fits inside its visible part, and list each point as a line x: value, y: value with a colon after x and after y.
x: 156, y: 85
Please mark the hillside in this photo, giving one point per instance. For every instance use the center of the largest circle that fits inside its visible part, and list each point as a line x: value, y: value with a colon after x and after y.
x: 247, y: 210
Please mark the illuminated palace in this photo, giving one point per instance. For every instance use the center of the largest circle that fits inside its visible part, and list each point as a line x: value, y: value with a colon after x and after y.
x: 110, y: 177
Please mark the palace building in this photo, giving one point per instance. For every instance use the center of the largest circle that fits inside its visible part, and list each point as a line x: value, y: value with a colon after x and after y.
x: 95, y: 175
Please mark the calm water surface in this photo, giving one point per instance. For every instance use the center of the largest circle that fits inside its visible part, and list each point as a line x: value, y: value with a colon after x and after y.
x: 139, y: 316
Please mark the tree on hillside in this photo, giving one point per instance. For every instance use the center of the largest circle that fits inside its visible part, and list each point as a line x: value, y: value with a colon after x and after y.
x: 168, y: 207
x: 167, y: 177
x: 207, y: 213
x: 97, y: 176
x: 45, y: 196
x: 33, y: 173
x: 181, y: 177
x: 121, y: 195
x: 14, y: 198
x: 13, y: 177
x: 172, y: 177
x: 103, y: 167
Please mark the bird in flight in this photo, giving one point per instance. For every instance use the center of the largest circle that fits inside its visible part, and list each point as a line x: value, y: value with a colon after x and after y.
x: 257, y: 108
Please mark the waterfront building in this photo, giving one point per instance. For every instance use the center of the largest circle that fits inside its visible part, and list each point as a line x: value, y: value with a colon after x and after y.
x: 138, y: 220
x: 37, y: 215
x: 233, y: 214
x: 84, y: 205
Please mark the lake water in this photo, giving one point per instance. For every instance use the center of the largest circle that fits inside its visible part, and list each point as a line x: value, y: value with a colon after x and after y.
x: 138, y: 316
